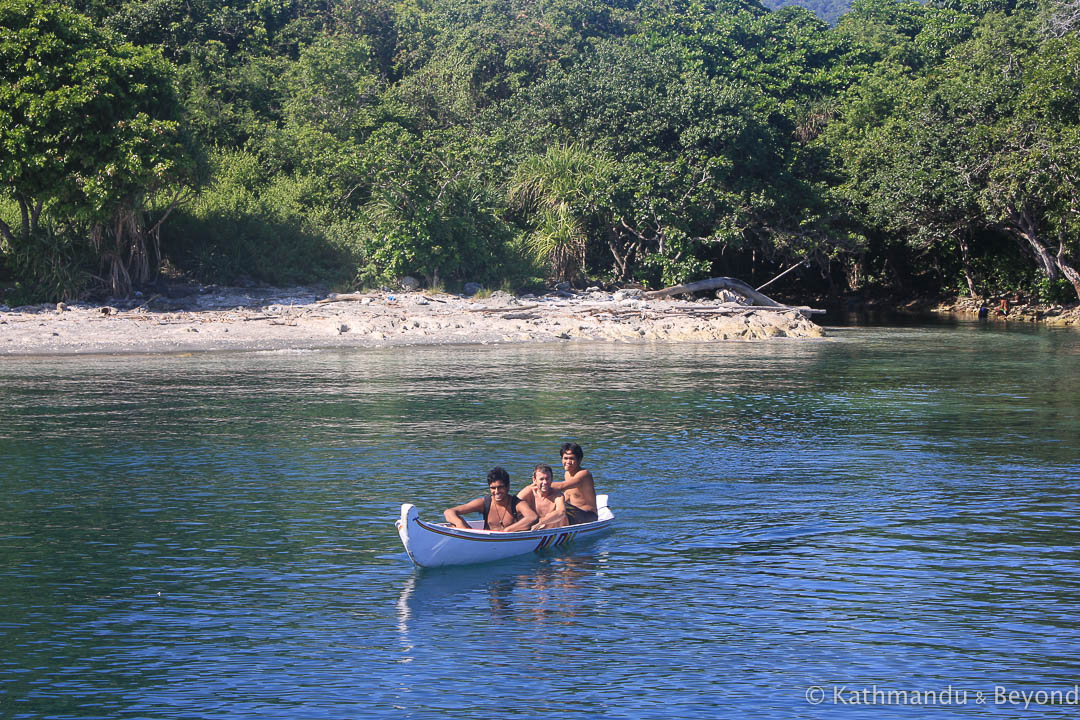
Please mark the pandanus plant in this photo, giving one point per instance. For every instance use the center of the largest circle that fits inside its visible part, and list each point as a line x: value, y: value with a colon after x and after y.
x: 560, y: 192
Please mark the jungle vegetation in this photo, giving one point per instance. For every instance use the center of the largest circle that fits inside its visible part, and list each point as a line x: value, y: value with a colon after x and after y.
x: 905, y: 149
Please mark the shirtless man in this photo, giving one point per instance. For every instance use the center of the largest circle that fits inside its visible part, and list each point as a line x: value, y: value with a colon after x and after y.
x: 544, y: 499
x: 502, y: 512
x: 577, y: 485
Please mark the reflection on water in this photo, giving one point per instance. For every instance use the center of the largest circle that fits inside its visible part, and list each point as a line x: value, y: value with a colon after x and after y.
x: 212, y: 536
x: 522, y: 590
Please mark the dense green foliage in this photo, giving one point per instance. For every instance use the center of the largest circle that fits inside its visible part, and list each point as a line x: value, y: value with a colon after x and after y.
x: 910, y: 148
x: 89, y: 129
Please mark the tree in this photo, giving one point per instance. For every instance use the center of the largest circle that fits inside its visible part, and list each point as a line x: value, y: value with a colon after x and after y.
x: 984, y: 142
x: 1033, y: 186
x: 433, y: 208
x: 707, y: 163
x: 89, y: 129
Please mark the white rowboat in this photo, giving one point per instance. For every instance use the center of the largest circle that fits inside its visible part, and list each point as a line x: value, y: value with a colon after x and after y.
x: 436, y: 544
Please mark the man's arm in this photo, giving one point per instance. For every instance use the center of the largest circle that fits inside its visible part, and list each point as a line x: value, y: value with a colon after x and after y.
x: 575, y: 480
x: 527, y: 504
x: 453, y: 515
x: 528, y: 517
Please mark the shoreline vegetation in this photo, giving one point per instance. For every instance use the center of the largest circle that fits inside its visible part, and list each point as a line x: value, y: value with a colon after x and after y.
x: 907, y: 150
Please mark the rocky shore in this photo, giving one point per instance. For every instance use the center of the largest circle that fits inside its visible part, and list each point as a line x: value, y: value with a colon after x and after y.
x: 1013, y: 310
x: 302, y: 318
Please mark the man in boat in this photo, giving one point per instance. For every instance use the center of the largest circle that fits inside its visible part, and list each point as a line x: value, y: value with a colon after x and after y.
x: 501, y: 511
x: 544, y: 499
x: 577, y: 486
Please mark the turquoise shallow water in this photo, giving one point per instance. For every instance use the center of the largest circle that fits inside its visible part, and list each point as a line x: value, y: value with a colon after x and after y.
x: 211, y: 536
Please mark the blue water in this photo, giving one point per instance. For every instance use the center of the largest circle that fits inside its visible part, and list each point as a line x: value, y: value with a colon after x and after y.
x: 211, y: 536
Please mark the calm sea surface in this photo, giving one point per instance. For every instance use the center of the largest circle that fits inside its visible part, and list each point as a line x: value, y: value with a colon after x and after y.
x: 887, y: 516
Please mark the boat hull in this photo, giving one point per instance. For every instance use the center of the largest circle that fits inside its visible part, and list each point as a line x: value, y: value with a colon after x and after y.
x: 439, y: 544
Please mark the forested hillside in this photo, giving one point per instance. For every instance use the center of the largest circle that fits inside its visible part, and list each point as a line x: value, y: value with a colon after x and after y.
x: 908, y: 149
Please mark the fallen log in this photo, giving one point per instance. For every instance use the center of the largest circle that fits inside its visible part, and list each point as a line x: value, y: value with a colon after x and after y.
x: 730, y: 309
x: 717, y: 283
x: 342, y: 297
x: 513, y: 308
x: 706, y: 311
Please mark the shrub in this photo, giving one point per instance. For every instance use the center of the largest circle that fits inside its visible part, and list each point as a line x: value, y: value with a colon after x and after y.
x: 279, y: 230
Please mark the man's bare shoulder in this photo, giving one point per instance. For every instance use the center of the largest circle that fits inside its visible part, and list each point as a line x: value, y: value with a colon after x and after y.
x: 579, y: 478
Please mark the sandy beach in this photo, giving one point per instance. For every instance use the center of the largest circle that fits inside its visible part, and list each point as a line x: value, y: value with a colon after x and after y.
x: 239, y: 319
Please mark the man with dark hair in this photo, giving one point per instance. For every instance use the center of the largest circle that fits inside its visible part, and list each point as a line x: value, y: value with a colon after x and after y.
x: 577, y: 486
x: 544, y: 500
x: 501, y: 511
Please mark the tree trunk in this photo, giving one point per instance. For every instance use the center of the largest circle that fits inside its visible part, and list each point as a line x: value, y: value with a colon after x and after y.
x: 1067, y: 269
x: 855, y: 273
x: 1022, y: 224
x: 35, y: 215
x: 24, y: 213
x: 621, y: 260
x: 1072, y: 276
x: 965, y: 259
x: 624, y: 259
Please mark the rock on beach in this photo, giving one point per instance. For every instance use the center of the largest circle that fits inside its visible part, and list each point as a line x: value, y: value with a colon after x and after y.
x: 300, y: 318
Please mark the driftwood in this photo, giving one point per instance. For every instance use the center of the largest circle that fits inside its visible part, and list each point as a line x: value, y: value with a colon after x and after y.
x: 730, y: 309
x: 517, y: 308
x: 698, y: 311
x: 342, y: 297
x: 726, y: 283
x: 760, y: 302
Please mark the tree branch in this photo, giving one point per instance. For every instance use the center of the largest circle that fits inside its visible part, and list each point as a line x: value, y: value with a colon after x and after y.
x: 184, y: 189
x: 442, y: 189
x: 35, y: 213
x: 705, y: 177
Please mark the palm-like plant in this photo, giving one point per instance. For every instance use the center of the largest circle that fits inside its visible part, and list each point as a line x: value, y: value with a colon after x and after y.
x: 561, y: 191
